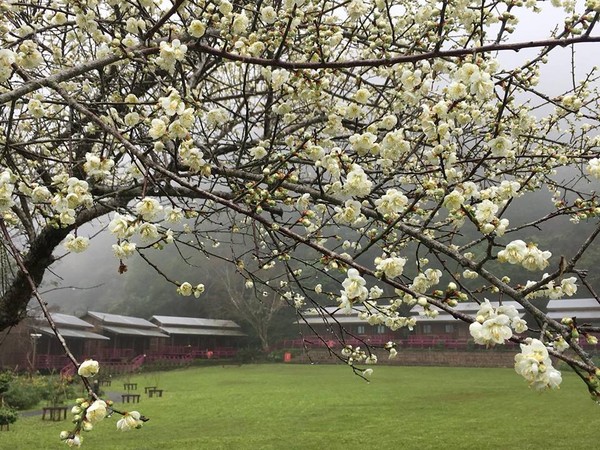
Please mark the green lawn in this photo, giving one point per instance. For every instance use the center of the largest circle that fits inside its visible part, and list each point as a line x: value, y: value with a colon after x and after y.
x: 326, y: 407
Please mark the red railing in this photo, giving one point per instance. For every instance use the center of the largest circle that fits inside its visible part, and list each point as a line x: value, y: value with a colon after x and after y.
x: 413, y: 341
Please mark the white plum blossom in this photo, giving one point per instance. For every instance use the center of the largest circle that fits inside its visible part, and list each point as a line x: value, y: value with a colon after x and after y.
x: 39, y: 194
x: 240, y: 23
x: 495, y: 325
x: 7, y: 58
x: 357, y: 183
x: 534, y: 364
x: 74, y: 441
x: 501, y: 146
x: 197, y: 28
x: 393, y: 146
x: 388, y: 122
x: 454, y: 200
x: 173, y: 214
x: 96, y: 411
x: 148, y: 232
x: 363, y: 143
x: 424, y: 281
x: 514, y: 252
x: 76, y: 244
x: 268, y: 14
x: 350, y: 213
x: 88, y: 368
x: 96, y: 167
x: 258, y: 152
x: 392, y: 267
x: 199, y: 290
x: 158, y: 129
x: 36, y: 108
x: 130, y: 420
x: 186, y: 289
x: 120, y: 226
x: 354, y: 287
x: 593, y: 168
x: 485, y: 211
x: 149, y: 208
x: 356, y: 9
x: 391, y: 203
x: 225, y: 7
x: 528, y: 255
x: 569, y: 286
x: 170, y: 53
x: 536, y: 259
x: 279, y: 77
x: 362, y: 95
x: 217, y: 116
x: 495, y: 330
x: 124, y: 250
x: 29, y: 57
x: 6, y: 190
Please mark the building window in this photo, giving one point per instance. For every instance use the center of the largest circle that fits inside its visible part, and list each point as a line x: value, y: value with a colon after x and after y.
x: 449, y: 328
x: 427, y: 328
x: 380, y: 329
x: 360, y: 329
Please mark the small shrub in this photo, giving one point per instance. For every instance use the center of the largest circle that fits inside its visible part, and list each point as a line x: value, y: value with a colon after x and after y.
x: 23, y: 393
x: 7, y: 415
x: 56, y: 390
x: 5, y: 380
x: 249, y: 355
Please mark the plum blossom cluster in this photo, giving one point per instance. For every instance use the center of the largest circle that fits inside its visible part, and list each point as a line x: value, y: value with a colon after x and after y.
x: 527, y: 255
x: 388, y: 315
x: 7, y: 180
x: 89, y: 412
x: 534, y: 364
x: 354, y: 291
x: 553, y: 290
x: 355, y: 355
x: 496, y: 325
x: 186, y: 290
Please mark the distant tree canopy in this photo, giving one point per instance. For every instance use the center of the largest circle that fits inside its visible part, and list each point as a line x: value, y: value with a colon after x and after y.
x: 383, y: 144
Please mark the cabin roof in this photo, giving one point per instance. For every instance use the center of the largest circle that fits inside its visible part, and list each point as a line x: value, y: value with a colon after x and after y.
x: 126, y: 321
x: 195, y: 322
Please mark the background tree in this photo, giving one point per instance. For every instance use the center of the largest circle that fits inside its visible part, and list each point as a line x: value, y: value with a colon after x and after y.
x: 259, y: 308
x: 264, y: 127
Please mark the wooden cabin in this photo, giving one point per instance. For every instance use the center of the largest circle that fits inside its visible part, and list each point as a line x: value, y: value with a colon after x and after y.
x: 129, y: 336
x: 199, y: 337
x: 323, y: 328
x: 32, y: 345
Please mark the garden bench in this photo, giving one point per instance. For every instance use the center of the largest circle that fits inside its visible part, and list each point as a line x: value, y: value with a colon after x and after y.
x: 158, y: 392
x: 130, y: 386
x: 55, y: 413
x: 130, y: 398
x: 147, y: 388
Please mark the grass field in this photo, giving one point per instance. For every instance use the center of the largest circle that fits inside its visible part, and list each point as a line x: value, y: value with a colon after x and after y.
x: 326, y: 407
